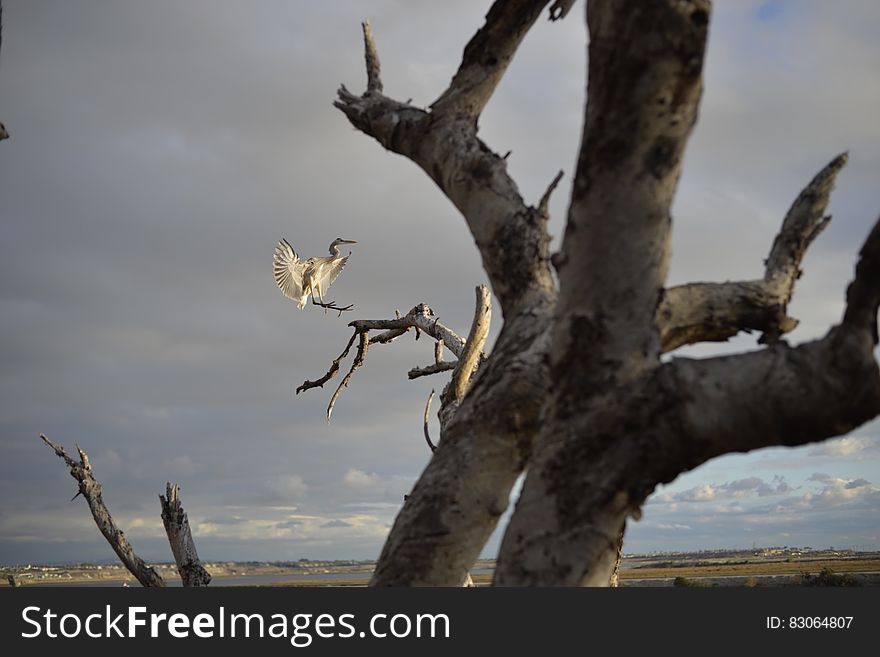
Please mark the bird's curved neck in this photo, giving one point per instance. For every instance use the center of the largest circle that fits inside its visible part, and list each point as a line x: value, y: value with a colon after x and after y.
x: 334, y: 249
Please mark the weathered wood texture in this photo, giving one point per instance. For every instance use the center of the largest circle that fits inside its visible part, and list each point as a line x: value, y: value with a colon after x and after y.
x: 191, y: 571
x: 575, y: 387
x: 90, y: 489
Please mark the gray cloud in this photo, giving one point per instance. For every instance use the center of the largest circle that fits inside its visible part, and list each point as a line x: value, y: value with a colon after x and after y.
x: 749, y: 486
x: 831, y: 511
x: 335, y: 523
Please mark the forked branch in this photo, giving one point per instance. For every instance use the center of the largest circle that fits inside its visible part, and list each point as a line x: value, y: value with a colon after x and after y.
x: 334, y: 369
x: 513, y: 242
x: 420, y: 318
x: 363, y: 345
x: 714, y: 312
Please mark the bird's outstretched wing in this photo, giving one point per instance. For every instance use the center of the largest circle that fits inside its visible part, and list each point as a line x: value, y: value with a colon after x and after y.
x: 330, y: 272
x: 289, y: 272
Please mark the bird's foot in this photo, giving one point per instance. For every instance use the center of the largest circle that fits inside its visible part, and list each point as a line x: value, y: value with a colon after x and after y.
x: 331, y: 305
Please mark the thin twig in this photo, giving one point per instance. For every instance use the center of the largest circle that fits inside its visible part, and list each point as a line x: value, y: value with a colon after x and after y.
x: 363, y: 345
x: 545, y: 199
x: 388, y: 336
x: 428, y: 370
x: 334, y: 369
x: 431, y: 445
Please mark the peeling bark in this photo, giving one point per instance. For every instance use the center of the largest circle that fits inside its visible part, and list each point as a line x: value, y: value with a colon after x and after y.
x: 191, y: 571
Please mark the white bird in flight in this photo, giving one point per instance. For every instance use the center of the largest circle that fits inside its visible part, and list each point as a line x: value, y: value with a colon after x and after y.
x: 300, y: 279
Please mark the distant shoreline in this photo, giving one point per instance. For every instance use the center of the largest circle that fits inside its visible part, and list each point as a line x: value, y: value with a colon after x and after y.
x: 764, y: 568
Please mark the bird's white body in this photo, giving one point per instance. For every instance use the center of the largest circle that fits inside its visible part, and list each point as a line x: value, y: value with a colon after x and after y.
x: 300, y: 279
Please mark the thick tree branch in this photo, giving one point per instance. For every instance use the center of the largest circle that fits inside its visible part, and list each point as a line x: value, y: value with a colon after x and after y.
x: 714, y: 312
x: 90, y: 488
x: 511, y: 236
x: 487, y: 56
x: 777, y: 396
x: 191, y: 571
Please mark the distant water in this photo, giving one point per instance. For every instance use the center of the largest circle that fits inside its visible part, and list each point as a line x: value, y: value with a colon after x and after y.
x: 243, y: 580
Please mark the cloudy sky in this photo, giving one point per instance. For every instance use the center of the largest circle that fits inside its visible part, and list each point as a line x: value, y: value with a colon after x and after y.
x: 158, y: 152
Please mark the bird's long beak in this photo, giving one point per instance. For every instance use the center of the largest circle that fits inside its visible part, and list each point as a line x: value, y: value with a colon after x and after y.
x: 348, y: 241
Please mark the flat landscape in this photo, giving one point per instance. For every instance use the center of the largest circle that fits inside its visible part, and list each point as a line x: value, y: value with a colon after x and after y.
x: 758, y: 567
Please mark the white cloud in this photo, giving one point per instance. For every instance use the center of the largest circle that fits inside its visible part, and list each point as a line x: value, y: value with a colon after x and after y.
x: 359, y: 479
x: 746, y: 487
x: 847, y: 447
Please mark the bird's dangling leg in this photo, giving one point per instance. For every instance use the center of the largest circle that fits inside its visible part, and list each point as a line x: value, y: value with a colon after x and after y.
x: 329, y: 305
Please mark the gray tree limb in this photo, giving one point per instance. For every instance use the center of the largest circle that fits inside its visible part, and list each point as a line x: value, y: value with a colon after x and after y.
x: 420, y: 317
x: 713, y: 312
x: 472, y: 353
x: 190, y: 568
x: 435, y: 368
x: 487, y: 56
x: 363, y: 345
x: 90, y: 489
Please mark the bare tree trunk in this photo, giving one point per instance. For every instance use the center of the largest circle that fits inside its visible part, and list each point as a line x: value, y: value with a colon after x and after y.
x: 90, y: 488
x: 575, y: 388
x: 179, y: 536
